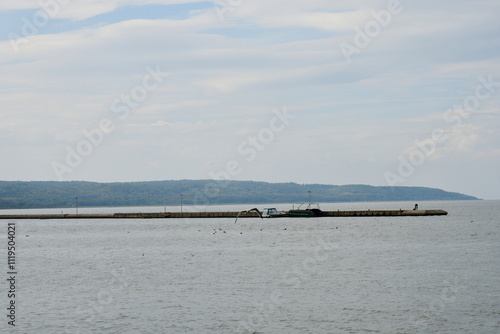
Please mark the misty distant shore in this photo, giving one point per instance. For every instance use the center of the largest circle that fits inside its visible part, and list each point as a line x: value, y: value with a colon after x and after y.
x: 38, y: 194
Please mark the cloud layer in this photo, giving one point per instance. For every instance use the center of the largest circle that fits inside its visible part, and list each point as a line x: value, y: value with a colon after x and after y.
x: 230, y: 68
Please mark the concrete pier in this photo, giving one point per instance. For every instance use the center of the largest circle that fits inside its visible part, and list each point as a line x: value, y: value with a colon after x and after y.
x: 228, y: 214
x: 384, y: 213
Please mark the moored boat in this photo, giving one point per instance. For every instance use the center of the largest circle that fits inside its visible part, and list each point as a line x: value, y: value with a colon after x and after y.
x: 312, y: 210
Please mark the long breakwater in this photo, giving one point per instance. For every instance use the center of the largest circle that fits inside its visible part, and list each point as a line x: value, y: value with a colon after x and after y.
x: 228, y: 214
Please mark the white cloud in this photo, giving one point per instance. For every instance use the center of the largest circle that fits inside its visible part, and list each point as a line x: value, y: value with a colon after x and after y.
x: 82, y: 9
x: 226, y: 76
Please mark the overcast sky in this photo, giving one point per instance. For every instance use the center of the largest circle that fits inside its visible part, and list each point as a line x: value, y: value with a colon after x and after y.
x: 318, y: 91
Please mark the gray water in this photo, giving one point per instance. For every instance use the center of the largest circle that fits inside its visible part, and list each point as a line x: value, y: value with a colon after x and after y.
x: 317, y: 275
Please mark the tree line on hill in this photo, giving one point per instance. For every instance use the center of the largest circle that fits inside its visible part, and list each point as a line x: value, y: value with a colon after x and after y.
x: 54, y: 194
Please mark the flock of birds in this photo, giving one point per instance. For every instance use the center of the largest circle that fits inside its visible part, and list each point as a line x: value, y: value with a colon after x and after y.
x: 224, y: 231
x: 238, y: 216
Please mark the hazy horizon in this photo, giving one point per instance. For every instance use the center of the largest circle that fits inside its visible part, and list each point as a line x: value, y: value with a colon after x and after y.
x: 209, y: 182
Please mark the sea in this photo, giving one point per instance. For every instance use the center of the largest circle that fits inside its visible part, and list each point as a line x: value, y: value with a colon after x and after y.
x: 435, y: 274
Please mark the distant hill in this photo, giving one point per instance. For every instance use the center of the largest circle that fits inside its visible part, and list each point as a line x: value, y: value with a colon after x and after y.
x: 38, y: 194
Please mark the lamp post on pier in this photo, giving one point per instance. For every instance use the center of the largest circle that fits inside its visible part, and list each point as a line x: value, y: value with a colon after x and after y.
x: 181, y: 203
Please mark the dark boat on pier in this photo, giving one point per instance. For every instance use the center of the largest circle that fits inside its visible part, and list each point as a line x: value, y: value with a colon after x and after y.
x: 308, y: 211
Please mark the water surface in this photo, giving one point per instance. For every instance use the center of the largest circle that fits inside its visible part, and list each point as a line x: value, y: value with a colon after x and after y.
x: 318, y: 275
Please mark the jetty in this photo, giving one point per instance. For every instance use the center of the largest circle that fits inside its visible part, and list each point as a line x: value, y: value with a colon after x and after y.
x: 228, y: 214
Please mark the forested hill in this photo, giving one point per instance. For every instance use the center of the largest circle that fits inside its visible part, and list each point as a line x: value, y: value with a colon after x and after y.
x: 201, y: 192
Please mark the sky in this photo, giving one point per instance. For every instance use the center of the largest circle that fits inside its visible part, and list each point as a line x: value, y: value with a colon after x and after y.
x: 385, y: 93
